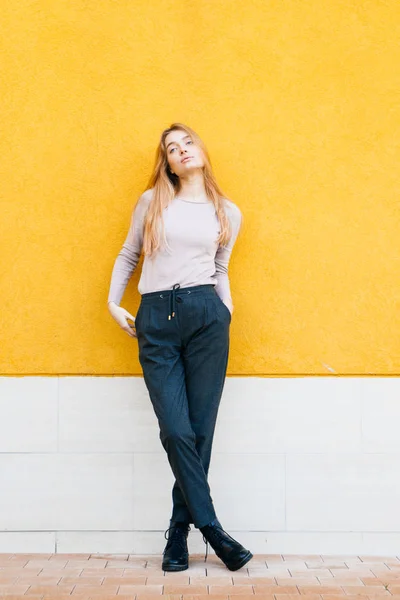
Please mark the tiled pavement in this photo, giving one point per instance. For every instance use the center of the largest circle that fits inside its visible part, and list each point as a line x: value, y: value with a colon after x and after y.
x: 273, y: 577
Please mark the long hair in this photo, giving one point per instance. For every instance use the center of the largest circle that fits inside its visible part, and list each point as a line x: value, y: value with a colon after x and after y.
x: 166, y: 185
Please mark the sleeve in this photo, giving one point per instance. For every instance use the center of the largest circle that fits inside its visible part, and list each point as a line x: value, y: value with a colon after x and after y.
x: 129, y: 255
x: 223, y: 255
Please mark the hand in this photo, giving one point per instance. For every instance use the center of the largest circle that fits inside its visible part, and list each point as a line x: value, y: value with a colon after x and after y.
x: 121, y: 316
x: 229, y: 304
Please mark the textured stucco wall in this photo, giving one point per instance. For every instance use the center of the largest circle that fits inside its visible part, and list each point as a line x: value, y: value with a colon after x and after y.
x: 298, y: 102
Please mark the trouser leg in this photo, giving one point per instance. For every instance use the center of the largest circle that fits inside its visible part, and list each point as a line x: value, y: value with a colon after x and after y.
x: 161, y: 358
x: 205, y: 358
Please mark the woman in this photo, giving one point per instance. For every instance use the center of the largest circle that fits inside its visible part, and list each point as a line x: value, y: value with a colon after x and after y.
x: 186, y: 229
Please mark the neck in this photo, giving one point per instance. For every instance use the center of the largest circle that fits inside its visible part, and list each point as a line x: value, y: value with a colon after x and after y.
x: 192, y: 186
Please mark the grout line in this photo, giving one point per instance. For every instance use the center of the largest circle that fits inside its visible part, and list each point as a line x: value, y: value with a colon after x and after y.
x: 361, y: 398
x: 58, y: 415
x: 230, y: 375
x: 285, y: 480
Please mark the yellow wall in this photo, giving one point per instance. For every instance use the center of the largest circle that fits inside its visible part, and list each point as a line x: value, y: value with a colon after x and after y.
x: 298, y: 102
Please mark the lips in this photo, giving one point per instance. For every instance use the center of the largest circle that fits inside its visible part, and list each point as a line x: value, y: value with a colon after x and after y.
x: 186, y: 158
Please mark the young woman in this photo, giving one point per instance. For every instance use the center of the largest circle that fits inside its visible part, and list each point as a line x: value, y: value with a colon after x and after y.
x: 186, y: 229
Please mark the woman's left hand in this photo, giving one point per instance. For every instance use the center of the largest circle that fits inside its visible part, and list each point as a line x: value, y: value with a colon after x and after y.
x: 229, y: 304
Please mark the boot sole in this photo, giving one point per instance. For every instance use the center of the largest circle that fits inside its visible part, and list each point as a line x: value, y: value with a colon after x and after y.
x: 244, y: 561
x: 175, y: 567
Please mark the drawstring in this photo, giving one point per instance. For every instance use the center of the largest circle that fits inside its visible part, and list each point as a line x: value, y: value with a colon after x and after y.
x: 172, y: 300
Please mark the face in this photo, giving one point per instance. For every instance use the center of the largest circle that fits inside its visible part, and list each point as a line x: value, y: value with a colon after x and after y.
x: 181, y: 146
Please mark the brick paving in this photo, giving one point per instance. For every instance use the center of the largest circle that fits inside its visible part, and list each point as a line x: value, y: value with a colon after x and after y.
x: 133, y: 577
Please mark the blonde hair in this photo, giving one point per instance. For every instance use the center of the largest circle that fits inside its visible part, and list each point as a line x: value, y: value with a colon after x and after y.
x: 166, y: 185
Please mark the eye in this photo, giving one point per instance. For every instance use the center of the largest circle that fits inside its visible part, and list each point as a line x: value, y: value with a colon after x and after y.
x: 189, y: 142
x: 172, y: 149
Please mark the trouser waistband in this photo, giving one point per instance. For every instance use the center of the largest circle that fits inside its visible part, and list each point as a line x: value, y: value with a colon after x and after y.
x: 177, y: 290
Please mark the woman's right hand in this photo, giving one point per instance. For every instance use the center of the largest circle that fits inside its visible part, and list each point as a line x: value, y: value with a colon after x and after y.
x: 121, y: 316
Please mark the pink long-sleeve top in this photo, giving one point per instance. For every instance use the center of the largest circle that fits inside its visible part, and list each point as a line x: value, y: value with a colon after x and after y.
x: 194, y: 257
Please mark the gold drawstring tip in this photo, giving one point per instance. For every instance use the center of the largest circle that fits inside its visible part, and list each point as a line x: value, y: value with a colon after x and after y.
x: 169, y: 317
x: 173, y: 314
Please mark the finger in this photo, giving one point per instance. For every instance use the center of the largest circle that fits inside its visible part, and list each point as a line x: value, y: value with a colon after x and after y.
x: 129, y: 331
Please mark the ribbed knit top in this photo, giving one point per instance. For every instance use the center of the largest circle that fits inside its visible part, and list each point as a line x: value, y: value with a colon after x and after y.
x: 193, y: 258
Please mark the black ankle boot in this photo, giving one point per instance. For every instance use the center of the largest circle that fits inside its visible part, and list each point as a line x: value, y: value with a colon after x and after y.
x: 176, y: 555
x: 233, y: 554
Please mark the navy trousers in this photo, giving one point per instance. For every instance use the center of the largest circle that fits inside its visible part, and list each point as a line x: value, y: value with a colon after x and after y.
x: 183, y: 337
